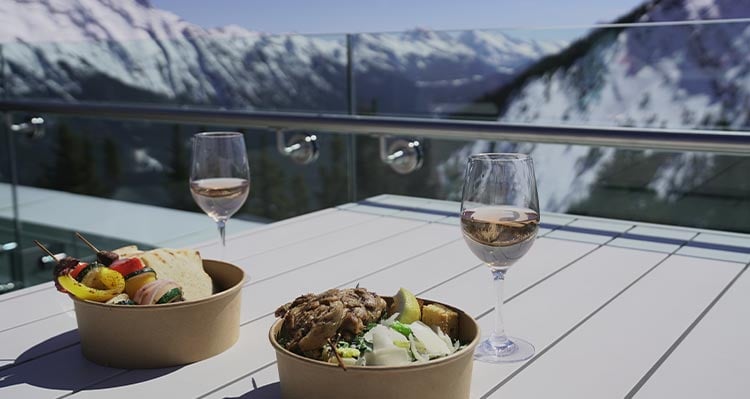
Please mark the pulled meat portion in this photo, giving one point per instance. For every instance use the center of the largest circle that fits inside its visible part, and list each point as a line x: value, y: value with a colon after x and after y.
x: 310, y: 320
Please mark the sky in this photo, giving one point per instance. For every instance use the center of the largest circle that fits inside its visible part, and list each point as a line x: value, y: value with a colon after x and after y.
x: 355, y: 16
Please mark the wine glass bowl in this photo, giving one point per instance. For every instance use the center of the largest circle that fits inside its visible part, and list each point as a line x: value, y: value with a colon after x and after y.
x: 499, y: 222
x: 220, y: 175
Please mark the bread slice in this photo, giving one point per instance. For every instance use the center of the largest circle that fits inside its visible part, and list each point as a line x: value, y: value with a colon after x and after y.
x: 128, y: 252
x: 184, y: 266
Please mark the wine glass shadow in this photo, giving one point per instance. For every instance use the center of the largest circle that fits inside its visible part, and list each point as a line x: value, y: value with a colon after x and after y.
x: 270, y: 391
x: 57, y: 363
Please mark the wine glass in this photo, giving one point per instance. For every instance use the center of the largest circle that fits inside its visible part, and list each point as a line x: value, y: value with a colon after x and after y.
x: 499, y: 221
x: 219, y: 176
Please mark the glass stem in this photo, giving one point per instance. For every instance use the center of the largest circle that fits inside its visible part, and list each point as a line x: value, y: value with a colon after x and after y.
x: 222, y: 224
x: 498, y: 338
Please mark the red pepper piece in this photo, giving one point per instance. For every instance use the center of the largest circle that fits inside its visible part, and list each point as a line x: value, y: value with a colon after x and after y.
x: 126, y: 265
x: 77, y: 269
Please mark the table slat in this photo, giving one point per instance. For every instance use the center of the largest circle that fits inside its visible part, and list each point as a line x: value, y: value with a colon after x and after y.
x: 41, y: 304
x: 474, y: 292
x: 607, y: 355
x: 52, y: 376
x: 546, y: 313
x: 712, y: 360
x: 22, y: 341
x: 284, y: 235
x: 284, y: 259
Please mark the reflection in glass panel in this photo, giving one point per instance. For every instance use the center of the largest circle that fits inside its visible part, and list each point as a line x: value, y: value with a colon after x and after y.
x: 232, y: 69
x: 148, y: 163
x: 685, y: 75
x: 445, y: 73
x: 680, y: 188
x: 124, y: 183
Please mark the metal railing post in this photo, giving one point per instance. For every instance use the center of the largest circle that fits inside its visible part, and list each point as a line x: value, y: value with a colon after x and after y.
x: 16, y: 258
x: 351, y: 98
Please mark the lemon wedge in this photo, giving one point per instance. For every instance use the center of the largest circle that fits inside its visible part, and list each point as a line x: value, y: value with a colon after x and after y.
x: 407, y: 306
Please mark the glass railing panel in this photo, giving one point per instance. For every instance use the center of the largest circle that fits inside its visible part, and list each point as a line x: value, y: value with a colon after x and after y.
x: 445, y: 73
x: 149, y: 163
x: 8, y: 227
x: 126, y: 182
x: 676, y: 75
x: 683, y: 75
x: 701, y: 190
x: 235, y: 69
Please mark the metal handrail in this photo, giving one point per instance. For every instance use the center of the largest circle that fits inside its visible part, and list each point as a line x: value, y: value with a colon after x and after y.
x: 726, y: 142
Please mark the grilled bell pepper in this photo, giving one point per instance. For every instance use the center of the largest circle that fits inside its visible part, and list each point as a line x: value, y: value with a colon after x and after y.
x: 65, y: 266
x: 111, y: 279
x: 127, y: 265
x: 78, y: 269
x: 137, y: 279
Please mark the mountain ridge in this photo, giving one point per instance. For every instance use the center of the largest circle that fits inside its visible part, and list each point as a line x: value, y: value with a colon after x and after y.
x: 137, y: 45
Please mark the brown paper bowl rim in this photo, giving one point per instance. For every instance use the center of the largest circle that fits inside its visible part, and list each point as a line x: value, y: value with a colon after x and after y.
x: 431, y: 363
x: 214, y: 297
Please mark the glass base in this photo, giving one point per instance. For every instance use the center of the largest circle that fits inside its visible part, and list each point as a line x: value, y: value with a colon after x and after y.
x: 515, y: 350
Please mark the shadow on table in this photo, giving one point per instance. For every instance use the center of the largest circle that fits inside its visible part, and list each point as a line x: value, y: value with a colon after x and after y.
x: 270, y: 391
x: 58, y: 363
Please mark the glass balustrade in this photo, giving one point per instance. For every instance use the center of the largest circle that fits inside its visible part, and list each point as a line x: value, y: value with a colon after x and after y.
x: 124, y: 181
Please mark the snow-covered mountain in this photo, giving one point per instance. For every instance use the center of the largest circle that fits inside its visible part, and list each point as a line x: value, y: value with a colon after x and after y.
x: 74, y: 49
x: 126, y: 50
x: 427, y: 72
x: 676, y: 76
x: 673, y: 76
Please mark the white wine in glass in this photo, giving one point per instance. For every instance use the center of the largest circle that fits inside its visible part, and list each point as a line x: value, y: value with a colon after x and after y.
x: 499, y: 222
x: 220, y: 175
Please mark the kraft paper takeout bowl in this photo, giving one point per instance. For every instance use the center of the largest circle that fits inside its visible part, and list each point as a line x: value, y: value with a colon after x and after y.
x: 445, y: 378
x: 151, y: 336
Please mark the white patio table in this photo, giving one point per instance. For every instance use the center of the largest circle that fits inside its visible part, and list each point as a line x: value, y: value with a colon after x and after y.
x: 614, y: 309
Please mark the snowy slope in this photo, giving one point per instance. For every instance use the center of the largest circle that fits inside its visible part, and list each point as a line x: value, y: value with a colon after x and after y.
x: 680, y: 76
x: 684, y: 76
x: 72, y: 49
x: 411, y: 53
x: 54, y: 47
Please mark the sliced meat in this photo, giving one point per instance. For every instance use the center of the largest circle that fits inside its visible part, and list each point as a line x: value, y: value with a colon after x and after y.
x: 310, y: 320
x: 362, y: 308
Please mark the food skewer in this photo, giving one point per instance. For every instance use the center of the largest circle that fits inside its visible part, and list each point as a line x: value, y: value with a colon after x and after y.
x: 104, y: 257
x: 62, y: 267
x: 47, y: 251
x: 335, y: 352
x: 87, y: 242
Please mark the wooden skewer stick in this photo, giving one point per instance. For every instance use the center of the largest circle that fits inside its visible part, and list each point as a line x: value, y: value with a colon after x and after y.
x: 85, y: 241
x: 47, y: 251
x: 338, y: 357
